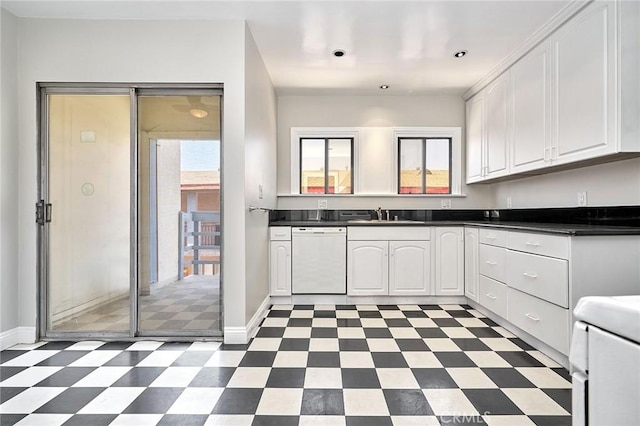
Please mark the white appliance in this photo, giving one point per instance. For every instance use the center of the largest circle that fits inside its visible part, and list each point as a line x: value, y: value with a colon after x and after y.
x: 605, y: 361
x: 319, y: 260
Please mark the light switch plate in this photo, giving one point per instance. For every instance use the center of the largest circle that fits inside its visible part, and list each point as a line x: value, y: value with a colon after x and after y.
x: 260, y: 192
x: 509, y: 202
x: 322, y: 204
x: 582, y: 199
x: 445, y: 204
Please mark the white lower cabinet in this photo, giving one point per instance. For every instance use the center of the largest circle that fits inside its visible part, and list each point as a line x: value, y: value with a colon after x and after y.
x: 367, y: 268
x: 493, y: 295
x: 471, y: 274
x: 280, y: 268
x: 409, y: 268
x: 449, y: 261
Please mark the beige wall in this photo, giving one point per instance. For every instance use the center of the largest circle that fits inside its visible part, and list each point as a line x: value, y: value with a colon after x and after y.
x: 260, y: 151
x: 9, y: 290
x: 370, y: 111
x: 610, y: 184
x: 154, y: 51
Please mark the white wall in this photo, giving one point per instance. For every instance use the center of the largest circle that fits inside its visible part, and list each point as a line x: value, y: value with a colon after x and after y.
x: 133, y: 51
x: 260, y: 152
x: 9, y: 288
x: 610, y: 184
x: 370, y: 111
x: 169, y: 204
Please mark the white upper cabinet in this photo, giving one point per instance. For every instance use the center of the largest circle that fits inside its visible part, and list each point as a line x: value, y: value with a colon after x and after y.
x: 572, y: 98
x: 583, y: 81
x: 475, y: 139
x: 497, y: 127
x: 409, y: 272
x: 530, y: 111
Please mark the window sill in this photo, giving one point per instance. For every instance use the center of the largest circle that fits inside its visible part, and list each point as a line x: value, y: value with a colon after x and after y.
x: 384, y: 195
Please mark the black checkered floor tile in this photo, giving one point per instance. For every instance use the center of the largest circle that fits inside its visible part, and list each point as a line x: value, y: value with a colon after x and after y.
x: 308, y: 365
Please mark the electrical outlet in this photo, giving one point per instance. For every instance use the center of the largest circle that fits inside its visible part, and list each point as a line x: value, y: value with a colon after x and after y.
x: 445, y: 204
x: 322, y: 204
x: 509, y: 202
x: 582, y: 199
x: 260, y: 192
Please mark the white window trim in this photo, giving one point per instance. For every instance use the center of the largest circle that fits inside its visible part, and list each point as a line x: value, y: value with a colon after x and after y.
x: 455, y: 133
x: 321, y: 133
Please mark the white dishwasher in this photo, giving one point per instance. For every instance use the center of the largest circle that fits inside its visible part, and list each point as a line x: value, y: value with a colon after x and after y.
x: 319, y: 260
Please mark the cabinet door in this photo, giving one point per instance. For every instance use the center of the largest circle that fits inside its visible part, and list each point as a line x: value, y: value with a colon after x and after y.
x: 409, y: 270
x: 367, y: 268
x: 497, y: 127
x: 471, y: 272
x: 280, y: 268
x: 530, y: 111
x: 449, y: 261
x: 475, y: 138
x: 583, y: 85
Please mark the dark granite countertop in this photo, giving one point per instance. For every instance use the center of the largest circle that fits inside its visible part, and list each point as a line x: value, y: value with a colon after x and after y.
x: 549, y: 228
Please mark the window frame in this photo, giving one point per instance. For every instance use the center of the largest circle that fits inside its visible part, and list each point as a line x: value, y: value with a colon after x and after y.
x: 326, y: 164
x: 299, y: 133
x: 423, y: 165
x: 455, y: 160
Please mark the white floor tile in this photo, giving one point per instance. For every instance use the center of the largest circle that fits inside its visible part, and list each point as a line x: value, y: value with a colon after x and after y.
x: 508, y: 421
x: 112, y: 401
x: 383, y: 345
x: 373, y: 323
x: 229, y: 420
x: 30, y: 376
x: 322, y: 421
x: 225, y: 359
x: 87, y: 345
x: 449, y: 402
x: 280, y: 401
x: 415, y: 421
x: 94, y: 359
x: 458, y: 333
x: 175, y: 377
x: 442, y: 345
x: 347, y: 314
x: 397, y: 378
x: 350, y: 333
x: 297, y: 333
x: 421, y: 360
x: 196, y: 401
x: 249, y: 377
x: 471, y: 322
x: 324, y: 322
x: 146, y: 345
x: 323, y: 378
x: 102, y: 377
x: 534, y: 402
x: 29, y: 358
x: 422, y: 322
x: 356, y: 359
x: 30, y: 400
x: 366, y: 307
x: 204, y: 346
x: 137, y: 420
x: 275, y: 322
x: 324, y: 307
x: 471, y: 378
x: 365, y: 402
x: 452, y: 307
x: 160, y: 359
x: 487, y: 359
x: 44, y: 419
x: 324, y: 345
x: 543, y: 377
x: 302, y: 313
x: 291, y: 359
x: 26, y: 346
x: 438, y: 314
x: 265, y: 344
x: 404, y: 333
x: 282, y: 307
x: 409, y: 307
x: 391, y: 314
x: 500, y: 344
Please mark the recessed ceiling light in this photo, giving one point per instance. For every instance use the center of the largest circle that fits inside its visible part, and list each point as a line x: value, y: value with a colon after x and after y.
x: 460, y: 53
x: 338, y: 53
x: 384, y: 86
x: 198, y: 113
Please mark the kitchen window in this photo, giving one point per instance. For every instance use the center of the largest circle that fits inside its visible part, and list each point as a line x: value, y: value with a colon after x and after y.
x: 326, y: 165
x: 424, y: 165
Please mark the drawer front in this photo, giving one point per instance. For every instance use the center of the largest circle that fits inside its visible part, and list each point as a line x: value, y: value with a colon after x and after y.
x: 493, y: 295
x: 492, y: 262
x: 388, y: 233
x: 546, y: 245
x: 493, y: 237
x: 280, y: 233
x: 543, y: 320
x: 540, y: 276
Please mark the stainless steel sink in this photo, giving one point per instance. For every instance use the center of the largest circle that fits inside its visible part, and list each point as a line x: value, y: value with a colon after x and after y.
x: 382, y: 222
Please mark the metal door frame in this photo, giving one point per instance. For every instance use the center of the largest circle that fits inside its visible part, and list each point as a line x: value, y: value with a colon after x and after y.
x: 133, y: 90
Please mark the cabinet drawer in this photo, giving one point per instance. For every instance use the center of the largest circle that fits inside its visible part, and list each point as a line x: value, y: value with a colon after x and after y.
x: 493, y: 295
x: 280, y: 233
x: 389, y: 233
x: 493, y: 237
x: 543, y: 320
x: 540, y: 276
x: 492, y: 262
x: 547, y: 245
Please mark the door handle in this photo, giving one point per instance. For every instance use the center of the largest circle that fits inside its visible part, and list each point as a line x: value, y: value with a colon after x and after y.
x: 532, y: 318
x: 491, y: 296
x: 490, y: 262
x: 526, y: 274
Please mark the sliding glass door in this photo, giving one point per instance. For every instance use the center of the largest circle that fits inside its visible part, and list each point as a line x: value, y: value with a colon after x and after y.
x: 129, y: 212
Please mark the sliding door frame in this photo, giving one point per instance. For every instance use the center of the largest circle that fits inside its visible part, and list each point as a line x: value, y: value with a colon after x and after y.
x: 133, y: 90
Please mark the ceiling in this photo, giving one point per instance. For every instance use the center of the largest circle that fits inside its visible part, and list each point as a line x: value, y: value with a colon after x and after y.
x: 408, y: 45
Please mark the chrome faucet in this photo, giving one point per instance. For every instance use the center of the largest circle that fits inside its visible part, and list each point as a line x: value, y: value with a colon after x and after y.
x: 379, y: 213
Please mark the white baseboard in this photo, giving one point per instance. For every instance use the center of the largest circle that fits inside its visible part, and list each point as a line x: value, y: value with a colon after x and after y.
x: 85, y: 307
x: 340, y: 299
x: 241, y: 335
x: 16, y: 336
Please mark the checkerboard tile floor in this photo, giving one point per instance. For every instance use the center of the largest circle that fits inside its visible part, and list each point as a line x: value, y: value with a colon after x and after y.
x: 308, y: 365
